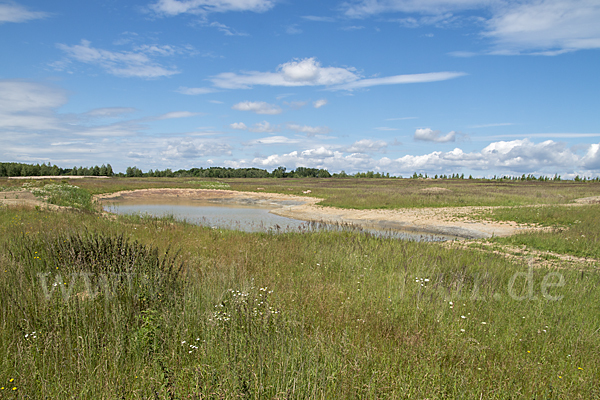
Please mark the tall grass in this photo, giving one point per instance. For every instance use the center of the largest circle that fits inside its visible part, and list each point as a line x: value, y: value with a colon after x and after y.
x: 317, y: 315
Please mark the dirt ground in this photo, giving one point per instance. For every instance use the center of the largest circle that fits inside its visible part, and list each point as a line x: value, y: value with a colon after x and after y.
x: 24, y: 198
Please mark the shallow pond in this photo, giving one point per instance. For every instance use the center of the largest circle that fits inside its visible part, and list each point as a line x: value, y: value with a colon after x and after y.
x: 248, y: 219
x: 244, y: 218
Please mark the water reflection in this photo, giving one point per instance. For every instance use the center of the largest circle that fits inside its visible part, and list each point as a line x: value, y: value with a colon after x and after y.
x: 253, y: 219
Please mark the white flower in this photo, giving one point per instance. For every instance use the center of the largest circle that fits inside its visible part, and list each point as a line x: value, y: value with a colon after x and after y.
x: 462, y: 330
x: 463, y: 317
x: 483, y: 323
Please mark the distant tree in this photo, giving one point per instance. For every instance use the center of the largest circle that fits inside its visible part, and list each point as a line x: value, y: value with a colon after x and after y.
x: 279, y: 172
x: 323, y: 173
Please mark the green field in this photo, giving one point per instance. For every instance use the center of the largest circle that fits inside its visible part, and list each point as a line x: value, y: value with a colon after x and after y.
x: 137, y: 307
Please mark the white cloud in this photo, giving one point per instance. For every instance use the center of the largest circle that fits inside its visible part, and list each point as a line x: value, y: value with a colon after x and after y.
x: 30, y: 106
x: 178, y: 114
x: 549, y: 27
x: 200, y: 7
x: 239, y: 126
x: 13, y: 12
x: 429, y: 135
x: 305, y: 72
x: 364, y: 8
x: 518, y: 156
x: 189, y: 149
x: 258, y: 107
x: 228, y: 31
x: 400, y: 79
x: 366, y: 146
x: 263, y: 127
x: 260, y: 127
x: 591, y: 160
x: 319, y: 103
x: 542, y: 27
x: 309, y: 72
x: 274, y: 140
x: 309, y: 130
x: 195, y: 91
x: 125, y: 64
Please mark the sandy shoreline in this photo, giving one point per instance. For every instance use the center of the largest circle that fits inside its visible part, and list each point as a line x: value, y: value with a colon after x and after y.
x: 450, y: 221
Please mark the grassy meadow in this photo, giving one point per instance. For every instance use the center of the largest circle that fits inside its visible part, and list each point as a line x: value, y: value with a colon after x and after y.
x: 136, y: 307
x: 362, y: 193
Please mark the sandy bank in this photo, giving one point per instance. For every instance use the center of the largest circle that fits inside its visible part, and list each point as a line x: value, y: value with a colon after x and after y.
x: 452, y: 221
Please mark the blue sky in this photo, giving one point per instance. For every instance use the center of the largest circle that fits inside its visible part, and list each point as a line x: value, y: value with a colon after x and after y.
x: 480, y: 87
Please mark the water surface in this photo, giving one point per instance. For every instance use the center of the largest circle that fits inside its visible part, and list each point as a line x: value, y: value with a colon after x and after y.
x: 254, y: 218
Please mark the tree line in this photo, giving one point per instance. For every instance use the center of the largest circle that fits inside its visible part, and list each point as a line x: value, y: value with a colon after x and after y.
x: 20, y: 169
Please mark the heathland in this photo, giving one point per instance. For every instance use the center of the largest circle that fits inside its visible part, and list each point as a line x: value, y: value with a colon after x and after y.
x: 103, y: 306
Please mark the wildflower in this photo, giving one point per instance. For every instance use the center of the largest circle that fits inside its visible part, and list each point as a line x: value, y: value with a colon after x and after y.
x: 579, y: 368
x: 483, y: 323
x: 462, y: 330
x: 463, y: 317
x: 528, y: 351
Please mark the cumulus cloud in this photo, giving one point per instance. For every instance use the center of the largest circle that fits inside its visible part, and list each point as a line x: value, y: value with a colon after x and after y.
x: 239, y: 126
x: 258, y: 107
x: 127, y: 64
x: 319, y: 103
x: 517, y: 156
x: 13, y: 12
x: 591, y: 160
x: 429, y: 135
x: 309, y: 130
x: 202, y: 7
x: 309, y: 72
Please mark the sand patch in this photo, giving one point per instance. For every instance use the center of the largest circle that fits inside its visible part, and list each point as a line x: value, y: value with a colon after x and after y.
x: 24, y: 198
